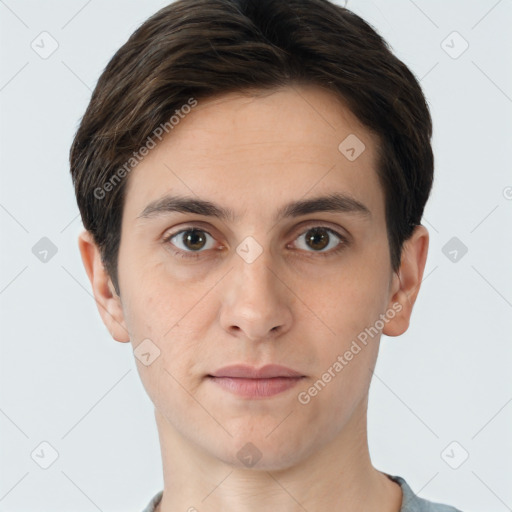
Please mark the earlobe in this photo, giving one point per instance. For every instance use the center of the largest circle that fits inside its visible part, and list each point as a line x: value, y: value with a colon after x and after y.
x: 406, y: 283
x: 108, y: 302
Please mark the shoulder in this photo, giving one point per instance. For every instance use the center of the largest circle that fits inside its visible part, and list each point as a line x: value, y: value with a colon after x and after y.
x: 410, y: 502
x: 154, y: 502
x: 413, y: 503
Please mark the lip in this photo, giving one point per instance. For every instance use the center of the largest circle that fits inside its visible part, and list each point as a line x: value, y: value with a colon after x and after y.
x: 256, y: 388
x: 250, y: 382
x: 243, y: 371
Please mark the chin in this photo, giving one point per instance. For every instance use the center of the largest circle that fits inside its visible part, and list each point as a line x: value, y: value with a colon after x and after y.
x: 259, y: 453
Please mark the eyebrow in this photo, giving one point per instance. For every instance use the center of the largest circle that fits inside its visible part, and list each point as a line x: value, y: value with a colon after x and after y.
x: 336, y: 202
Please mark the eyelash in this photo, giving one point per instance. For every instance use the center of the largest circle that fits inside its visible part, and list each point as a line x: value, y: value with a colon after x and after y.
x: 195, y: 254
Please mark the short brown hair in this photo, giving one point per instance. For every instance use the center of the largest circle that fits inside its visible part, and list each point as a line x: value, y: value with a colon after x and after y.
x: 203, y: 48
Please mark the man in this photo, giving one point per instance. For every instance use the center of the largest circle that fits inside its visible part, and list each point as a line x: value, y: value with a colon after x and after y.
x: 252, y: 176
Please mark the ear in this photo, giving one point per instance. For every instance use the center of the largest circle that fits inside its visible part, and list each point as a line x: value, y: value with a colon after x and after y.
x: 406, y: 284
x: 107, y: 300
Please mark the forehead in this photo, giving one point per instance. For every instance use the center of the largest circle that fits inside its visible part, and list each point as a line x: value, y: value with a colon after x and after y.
x: 261, y: 151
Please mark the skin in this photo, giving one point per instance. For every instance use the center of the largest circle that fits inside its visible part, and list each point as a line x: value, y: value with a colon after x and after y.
x: 291, y: 306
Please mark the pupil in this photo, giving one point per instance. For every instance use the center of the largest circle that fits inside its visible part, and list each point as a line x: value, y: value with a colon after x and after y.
x: 196, y: 241
x: 193, y: 237
x: 318, y: 235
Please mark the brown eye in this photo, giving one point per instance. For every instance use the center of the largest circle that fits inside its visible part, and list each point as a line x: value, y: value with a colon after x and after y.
x: 190, y: 240
x: 322, y: 240
x: 317, y: 238
x: 194, y: 239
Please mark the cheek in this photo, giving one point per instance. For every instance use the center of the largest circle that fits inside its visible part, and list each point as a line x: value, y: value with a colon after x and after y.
x: 339, y: 387
x: 157, y: 319
x: 173, y: 316
x: 155, y: 301
x: 351, y: 306
x: 351, y: 301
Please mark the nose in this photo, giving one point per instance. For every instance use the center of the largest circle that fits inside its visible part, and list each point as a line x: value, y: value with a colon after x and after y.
x: 256, y: 301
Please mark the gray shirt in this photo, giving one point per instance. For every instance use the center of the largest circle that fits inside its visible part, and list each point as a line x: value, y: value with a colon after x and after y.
x: 410, y: 502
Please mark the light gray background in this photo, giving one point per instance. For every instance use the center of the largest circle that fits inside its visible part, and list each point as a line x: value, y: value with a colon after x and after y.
x: 65, y: 381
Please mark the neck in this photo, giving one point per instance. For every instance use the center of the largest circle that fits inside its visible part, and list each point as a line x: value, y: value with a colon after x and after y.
x: 338, y: 475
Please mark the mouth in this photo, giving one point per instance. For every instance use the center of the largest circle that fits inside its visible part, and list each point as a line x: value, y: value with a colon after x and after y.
x: 268, y: 371
x: 250, y: 382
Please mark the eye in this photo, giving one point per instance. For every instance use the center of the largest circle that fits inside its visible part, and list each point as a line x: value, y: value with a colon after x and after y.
x: 190, y: 240
x: 319, y: 238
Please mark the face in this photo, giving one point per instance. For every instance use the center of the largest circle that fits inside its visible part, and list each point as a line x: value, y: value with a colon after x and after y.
x: 263, y: 284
